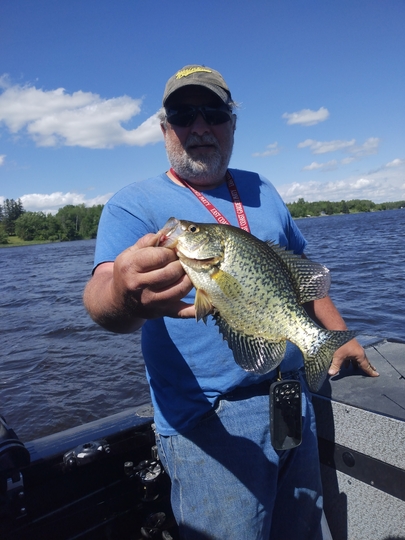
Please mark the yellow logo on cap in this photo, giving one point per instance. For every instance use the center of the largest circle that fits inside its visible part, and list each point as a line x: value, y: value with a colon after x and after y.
x: 185, y: 72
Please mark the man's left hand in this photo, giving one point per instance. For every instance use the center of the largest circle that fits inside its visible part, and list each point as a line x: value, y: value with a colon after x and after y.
x: 352, y: 352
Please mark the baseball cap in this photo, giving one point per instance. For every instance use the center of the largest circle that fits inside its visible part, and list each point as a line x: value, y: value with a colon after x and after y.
x: 199, y: 76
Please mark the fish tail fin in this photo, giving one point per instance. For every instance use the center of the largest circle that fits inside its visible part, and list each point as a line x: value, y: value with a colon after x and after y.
x: 319, y: 358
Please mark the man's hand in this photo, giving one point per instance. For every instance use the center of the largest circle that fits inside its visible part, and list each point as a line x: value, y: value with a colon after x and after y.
x: 144, y: 282
x: 151, y: 281
x: 352, y: 352
x: 324, y: 312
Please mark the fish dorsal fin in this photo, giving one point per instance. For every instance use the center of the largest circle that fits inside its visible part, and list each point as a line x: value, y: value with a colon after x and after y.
x: 312, y: 279
x: 202, y: 303
x: 251, y: 353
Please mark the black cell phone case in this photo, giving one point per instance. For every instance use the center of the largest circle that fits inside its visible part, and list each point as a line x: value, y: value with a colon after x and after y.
x: 285, y: 414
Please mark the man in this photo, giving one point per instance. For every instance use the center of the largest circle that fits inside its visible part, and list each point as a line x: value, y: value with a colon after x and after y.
x: 228, y: 482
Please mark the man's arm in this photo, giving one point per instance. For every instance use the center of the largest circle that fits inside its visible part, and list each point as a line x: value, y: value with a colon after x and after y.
x: 144, y: 282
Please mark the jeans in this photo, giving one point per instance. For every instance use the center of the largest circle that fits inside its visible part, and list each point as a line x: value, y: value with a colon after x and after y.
x: 228, y: 483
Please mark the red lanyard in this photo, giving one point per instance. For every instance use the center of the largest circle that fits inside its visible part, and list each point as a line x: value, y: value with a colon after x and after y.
x: 237, y: 203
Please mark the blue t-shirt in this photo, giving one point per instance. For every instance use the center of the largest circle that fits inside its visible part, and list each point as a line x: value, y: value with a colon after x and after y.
x: 188, y: 364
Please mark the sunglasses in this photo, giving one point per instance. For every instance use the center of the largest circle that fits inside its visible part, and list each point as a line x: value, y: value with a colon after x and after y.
x: 184, y: 115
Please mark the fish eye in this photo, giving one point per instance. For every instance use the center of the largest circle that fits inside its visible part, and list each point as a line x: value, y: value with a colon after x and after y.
x: 193, y: 228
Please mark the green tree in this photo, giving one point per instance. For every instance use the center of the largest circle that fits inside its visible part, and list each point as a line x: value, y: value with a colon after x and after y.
x: 298, y: 209
x: 3, y: 235
x: 32, y: 226
x: 89, y: 223
x: 12, y: 210
x: 70, y: 218
x: 79, y: 221
x: 53, y: 228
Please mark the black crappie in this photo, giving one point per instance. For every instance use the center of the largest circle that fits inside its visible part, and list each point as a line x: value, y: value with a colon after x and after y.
x: 255, y: 291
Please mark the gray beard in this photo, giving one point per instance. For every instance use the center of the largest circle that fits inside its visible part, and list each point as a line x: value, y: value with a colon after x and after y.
x: 205, y: 166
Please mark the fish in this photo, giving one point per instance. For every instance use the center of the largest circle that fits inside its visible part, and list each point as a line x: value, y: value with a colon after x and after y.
x: 256, y: 292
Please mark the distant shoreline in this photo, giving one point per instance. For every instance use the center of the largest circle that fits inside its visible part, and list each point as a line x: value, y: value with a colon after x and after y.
x: 350, y: 213
x: 28, y: 243
x: 16, y: 242
x: 80, y: 222
x: 23, y: 243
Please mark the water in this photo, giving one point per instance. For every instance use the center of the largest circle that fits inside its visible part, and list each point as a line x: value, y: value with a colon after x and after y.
x: 59, y: 369
x: 366, y: 256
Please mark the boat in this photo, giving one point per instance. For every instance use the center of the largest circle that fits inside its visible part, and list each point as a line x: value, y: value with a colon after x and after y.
x: 103, y: 480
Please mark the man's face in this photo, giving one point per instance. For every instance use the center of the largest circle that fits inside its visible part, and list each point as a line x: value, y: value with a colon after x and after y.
x: 199, y: 153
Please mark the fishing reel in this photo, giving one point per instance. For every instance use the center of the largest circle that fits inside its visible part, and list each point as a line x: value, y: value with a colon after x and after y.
x: 154, y: 494
x: 148, y: 472
x: 86, y: 453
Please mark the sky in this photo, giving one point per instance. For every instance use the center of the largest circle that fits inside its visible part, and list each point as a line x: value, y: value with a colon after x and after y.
x: 319, y: 83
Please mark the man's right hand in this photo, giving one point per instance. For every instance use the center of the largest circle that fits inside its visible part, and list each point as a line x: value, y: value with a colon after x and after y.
x: 144, y: 282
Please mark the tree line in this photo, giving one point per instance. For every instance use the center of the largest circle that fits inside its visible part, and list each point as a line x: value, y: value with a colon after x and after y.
x: 72, y: 222
x: 78, y: 222
x: 302, y: 208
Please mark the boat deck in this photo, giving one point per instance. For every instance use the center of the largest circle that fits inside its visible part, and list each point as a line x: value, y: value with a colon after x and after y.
x: 361, y: 435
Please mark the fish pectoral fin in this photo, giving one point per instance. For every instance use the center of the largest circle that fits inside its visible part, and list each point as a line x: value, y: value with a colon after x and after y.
x: 251, y: 353
x: 228, y: 284
x: 203, y: 306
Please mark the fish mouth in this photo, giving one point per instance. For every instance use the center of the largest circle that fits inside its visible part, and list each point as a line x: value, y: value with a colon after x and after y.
x: 169, y: 234
x: 193, y: 253
x: 190, y: 260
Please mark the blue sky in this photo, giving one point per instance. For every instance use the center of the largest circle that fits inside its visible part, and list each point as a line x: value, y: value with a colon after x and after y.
x: 320, y: 85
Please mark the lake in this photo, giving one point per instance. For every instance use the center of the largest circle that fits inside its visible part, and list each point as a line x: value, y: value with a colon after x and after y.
x: 59, y: 369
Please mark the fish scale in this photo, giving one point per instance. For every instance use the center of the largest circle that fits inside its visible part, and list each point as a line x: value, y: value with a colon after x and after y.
x: 255, y: 291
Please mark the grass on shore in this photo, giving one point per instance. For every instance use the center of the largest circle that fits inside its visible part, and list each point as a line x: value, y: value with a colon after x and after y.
x: 14, y: 241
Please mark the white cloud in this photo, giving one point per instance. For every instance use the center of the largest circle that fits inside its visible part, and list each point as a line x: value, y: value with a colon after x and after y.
x: 318, y: 147
x: 330, y: 165
x: 50, y: 203
x: 395, y: 163
x: 271, y: 150
x: 307, y: 117
x: 347, y: 160
x: 362, y: 183
x: 54, y: 117
x: 382, y: 185
x: 2, y: 159
x: 370, y: 146
x: 366, y: 149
